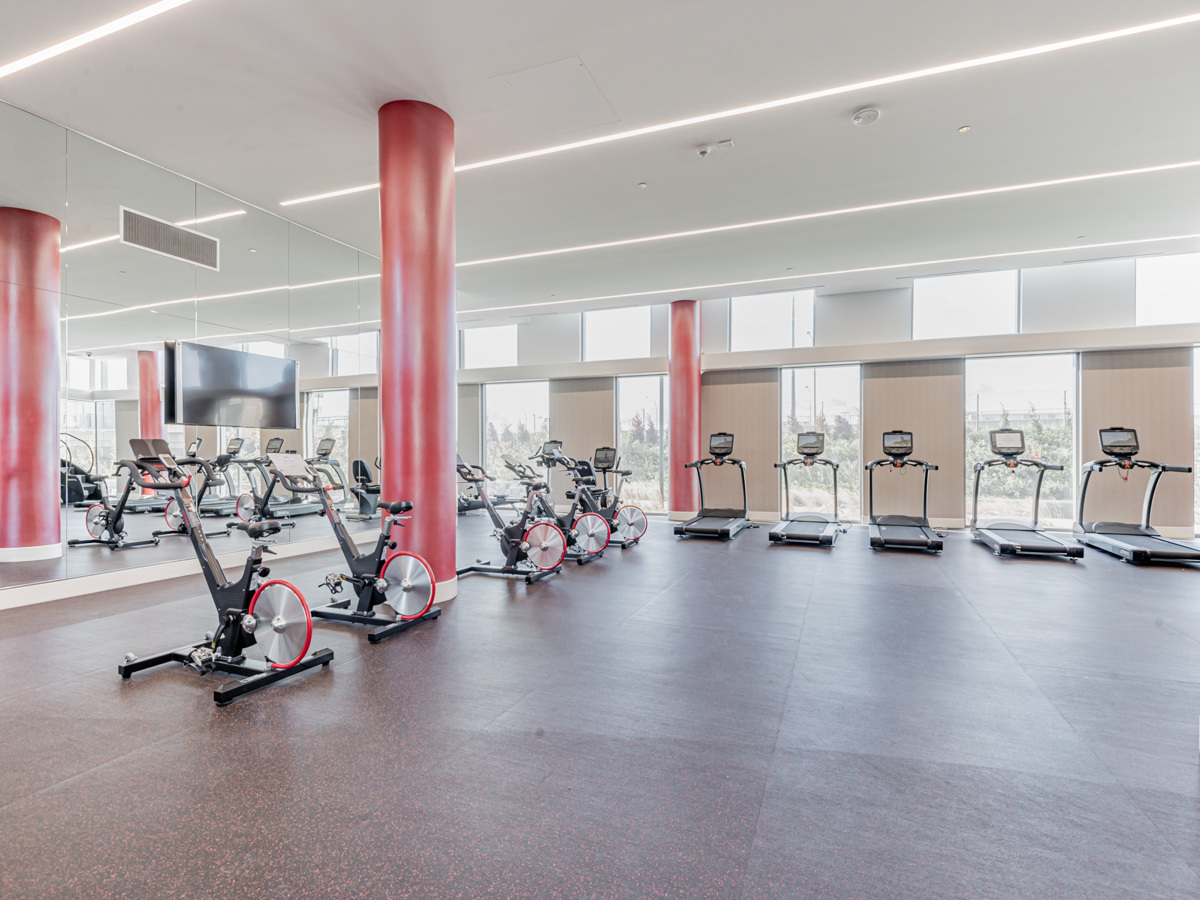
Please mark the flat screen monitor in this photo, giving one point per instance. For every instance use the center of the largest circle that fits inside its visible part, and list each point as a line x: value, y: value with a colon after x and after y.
x: 1119, y: 441
x: 606, y: 457
x: 325, y: 447
x: 897, y: 443
x: 1008, y: 441
x: 218, y: 386
x: 811, y: 443
x: 720, y: 445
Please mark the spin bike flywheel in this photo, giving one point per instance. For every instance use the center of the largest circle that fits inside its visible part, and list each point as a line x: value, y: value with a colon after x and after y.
x: 408, y: 584
x: 283, y: 624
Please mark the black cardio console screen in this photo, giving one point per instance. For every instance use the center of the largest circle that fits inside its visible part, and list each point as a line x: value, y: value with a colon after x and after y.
x: 1119, y: 442
x: 897, y: 443
x: 1009, y: 442
x: 605, y: 457
x: 720, y: 445
x: 810, y: 444
x: 549, y: 447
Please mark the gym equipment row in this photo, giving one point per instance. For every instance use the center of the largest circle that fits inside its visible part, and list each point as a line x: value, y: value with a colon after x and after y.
x: 264, y: 626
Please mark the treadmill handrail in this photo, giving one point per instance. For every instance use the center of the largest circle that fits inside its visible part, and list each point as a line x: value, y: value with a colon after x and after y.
x: 899, y: 463
x: 725, y: 460
x: 807, y: 461
x: 1126, y: 463
x: 1012, y: 463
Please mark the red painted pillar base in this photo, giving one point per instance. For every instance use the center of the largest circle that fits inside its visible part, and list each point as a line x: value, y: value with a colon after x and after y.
x: 685, y: 407
x: 29, y: 379
x: 418, y: 332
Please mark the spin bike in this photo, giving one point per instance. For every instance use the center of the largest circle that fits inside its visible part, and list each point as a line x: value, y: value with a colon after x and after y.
x: 395, y: 589
x: 210, y: 476
x: 533, y: 548
x: 105, y: 522
x: 269, y: 615
x: 587, y: 533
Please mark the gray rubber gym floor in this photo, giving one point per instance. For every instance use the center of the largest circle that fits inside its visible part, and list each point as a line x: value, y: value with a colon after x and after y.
x: 681, y: 719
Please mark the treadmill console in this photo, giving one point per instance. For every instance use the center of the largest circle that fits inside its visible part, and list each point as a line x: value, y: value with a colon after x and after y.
x: 897, y: 444
x: 810, y: 444
x: 234, y: 447
x: 720, y: 445
x: 1119, y: 443
x: 194, y: 447
x: 1008, y: 442
x: 274, y: 445
x: 605, y: 459
x: 326, y: 447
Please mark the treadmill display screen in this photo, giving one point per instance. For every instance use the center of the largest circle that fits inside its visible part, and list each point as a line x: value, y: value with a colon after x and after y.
x: 274, y: 445
x: 234, y: 447
x: 897, y: 443
x: 720, y: 445
x: 549, y: 447
x: 1119, y: 441
x: 606, y: 457
x: 326, y: 446
x: 1008, y: 442
x: 810, y: 444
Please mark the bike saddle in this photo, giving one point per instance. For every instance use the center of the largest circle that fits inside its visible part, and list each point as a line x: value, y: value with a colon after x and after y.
x: 397, y: 507
x: 256, y: 530
x: 535, y: 484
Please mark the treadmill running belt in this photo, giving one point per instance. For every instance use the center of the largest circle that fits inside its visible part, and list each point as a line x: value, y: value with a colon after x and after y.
x: 1156, y: 545
x: 1027, y: 540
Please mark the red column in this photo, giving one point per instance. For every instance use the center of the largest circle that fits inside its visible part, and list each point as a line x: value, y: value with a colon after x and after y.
x: 417, y: 391
x: 685, y: 405
x: 150, y: 412
x: 29, y: 381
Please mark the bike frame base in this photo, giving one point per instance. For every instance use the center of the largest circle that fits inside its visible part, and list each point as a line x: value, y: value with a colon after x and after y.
x: 256, y: 674
x: 339, y: 611
x: 530, y: 575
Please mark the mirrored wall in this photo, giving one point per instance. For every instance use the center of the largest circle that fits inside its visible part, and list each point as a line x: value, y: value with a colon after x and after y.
x: 278, y: 289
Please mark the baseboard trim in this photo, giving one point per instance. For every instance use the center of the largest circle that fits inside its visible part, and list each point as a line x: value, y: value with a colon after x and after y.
x: 30, y: 554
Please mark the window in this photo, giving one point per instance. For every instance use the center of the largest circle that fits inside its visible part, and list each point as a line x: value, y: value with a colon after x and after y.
x: 1037, y: 395
x: 518, y: 422
x: 771, y: 321
x: 1196, y: 431
x: 825, y: 399
x: 353, y: 354
x: 616, y: 333
x: 491, y: 347
x: 238, y: 479
x: 106, y: 436
x: 642, y: 440
x: 965, y: 305
x: 79, y: 373
x: 77, y: 435
x: 327, y: 415
x: 114, y: 373
x: 1168, y: 290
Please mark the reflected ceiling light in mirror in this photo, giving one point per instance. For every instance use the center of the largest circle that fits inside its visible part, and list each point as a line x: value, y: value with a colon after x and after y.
x: 856, y: 271
x: 247, y: 293
x: 870, y: 207
x: 134, y: 18
x: 183, y: 224
x: 978, y: 62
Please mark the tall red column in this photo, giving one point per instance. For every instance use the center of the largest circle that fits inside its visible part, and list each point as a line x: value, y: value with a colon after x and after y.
x: 29, y: 381
x: 417, y: 392
x: 150, y: 411
x: 685, y: 406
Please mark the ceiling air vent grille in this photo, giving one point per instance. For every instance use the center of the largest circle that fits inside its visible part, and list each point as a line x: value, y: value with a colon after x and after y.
x: 157, y: 236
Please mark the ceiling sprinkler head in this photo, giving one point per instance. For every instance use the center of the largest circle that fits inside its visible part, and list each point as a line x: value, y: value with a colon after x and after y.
x: 865, y: 116
x: 704, y: 150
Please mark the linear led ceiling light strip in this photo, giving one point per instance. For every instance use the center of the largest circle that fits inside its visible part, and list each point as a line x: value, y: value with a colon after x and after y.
x: 976, y: 63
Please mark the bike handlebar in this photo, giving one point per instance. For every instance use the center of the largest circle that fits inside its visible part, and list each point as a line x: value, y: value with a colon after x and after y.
x: 136, y: 467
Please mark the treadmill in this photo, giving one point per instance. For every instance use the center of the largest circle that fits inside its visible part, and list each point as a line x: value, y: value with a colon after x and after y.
x: 329, y: 467
x: 718, y: 523
x: 270, y: 506
x: 223, y: 504
x: 1008, y: 538
x: 1132, y: 543
x: 807, y: 527
x: 904, y: 532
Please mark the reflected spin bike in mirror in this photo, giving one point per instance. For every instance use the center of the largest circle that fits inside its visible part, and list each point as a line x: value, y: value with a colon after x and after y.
x: 395, y: 588
x: 587, y: 534
x: 255, y: 614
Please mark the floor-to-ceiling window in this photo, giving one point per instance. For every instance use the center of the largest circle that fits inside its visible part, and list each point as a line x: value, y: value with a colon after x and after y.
x: 1037, y: 395
x: 825, y: 399
x: 643, y: 407
x: 327, y: 415
x: 1196, y: 434
x: 517, y: 417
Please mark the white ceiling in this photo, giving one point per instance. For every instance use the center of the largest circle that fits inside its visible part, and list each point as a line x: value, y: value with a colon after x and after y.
x: 277, y: 99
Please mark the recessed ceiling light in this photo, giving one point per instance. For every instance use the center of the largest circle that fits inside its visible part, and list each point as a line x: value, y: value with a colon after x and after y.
x: 253, y: 250
x: 1007, y: 56
x: 800, y: 217
x: 855, y: 271
x: 95, y: 34
x: 964, y: 129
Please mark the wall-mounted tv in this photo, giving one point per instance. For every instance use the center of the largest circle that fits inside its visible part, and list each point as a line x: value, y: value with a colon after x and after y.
x: 217, y: 386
